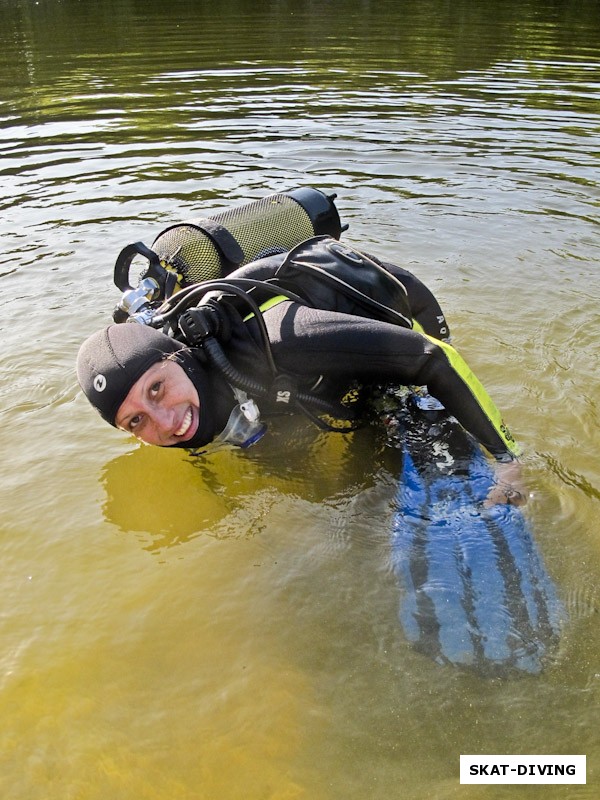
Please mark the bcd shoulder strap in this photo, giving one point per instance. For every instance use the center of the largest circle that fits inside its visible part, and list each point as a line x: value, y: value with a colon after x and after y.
x: 335, y: 277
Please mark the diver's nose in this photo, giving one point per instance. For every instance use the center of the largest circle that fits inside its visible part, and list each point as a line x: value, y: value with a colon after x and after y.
x: 164, y: 420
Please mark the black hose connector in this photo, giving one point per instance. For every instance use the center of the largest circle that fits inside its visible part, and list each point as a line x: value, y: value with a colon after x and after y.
x: 199, y: 324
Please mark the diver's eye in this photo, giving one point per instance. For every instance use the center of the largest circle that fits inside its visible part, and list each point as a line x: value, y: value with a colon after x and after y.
x: 155, y: 388
x: 134, y: 422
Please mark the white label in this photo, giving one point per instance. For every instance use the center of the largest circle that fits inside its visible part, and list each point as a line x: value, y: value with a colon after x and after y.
x: 522, y: 769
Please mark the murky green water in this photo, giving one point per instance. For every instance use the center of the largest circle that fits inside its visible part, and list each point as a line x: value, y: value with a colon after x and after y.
x: 228, y: 630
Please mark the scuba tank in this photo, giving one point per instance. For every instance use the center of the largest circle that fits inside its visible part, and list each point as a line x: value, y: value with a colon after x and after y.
x: 210, y: 248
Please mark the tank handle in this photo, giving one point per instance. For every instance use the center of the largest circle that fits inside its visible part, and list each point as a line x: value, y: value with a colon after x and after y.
x: 124, y: 259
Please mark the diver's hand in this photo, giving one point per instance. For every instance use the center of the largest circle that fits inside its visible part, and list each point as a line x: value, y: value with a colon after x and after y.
x: 509, y: 486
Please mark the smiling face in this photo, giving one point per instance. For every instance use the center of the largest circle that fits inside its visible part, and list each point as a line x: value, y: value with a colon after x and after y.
x: 162, y: 407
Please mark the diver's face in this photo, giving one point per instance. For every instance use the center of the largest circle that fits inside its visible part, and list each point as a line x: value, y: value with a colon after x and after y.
x: 162, y: 407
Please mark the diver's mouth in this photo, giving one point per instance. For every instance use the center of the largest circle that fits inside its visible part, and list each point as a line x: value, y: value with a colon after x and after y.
x: 186, y: 425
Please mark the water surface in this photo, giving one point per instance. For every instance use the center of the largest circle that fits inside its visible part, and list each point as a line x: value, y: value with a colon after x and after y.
x: 175, y: 629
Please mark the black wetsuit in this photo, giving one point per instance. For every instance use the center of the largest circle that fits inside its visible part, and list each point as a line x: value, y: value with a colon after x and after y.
x: 335, y: 351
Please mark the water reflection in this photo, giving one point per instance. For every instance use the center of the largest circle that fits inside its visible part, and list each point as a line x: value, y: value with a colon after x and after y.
x: 172, y: 497
x: 461, y: 139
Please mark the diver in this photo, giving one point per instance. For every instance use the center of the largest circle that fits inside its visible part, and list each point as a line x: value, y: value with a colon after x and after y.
x: 222, y: 353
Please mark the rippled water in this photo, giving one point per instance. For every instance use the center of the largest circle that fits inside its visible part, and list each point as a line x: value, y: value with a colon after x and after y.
x: 228, y: 629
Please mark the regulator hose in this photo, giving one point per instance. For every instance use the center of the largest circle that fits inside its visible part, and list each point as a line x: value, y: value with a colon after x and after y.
x: 219, y: 360
x: 198, y: 292
x: 185, y: 298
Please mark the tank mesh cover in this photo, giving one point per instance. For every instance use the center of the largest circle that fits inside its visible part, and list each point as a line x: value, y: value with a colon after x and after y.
x: 274, y: 224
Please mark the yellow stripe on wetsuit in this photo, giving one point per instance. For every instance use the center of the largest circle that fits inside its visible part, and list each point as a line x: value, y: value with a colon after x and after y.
x: 485, y: 402
x: 273, y: 301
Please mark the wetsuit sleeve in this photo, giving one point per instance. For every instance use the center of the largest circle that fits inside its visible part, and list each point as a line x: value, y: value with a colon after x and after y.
x: 307, y: 341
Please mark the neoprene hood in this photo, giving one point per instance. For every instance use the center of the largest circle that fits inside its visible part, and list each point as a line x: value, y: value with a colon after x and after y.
x: 111, y: 360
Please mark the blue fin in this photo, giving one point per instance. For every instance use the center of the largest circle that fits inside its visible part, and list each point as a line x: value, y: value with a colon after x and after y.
x: 476, y: 592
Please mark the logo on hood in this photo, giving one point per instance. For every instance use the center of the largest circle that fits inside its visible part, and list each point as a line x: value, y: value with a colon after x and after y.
x: 100, y: 383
